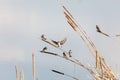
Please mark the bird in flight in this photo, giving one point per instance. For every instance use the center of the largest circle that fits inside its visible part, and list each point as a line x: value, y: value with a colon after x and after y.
x: 59, y: 43
x: 43, y: 37
x: 98, y: 30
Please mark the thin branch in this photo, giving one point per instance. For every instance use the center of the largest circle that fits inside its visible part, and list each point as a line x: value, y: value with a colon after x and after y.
x: 61, y: 73
x: 16, y: 69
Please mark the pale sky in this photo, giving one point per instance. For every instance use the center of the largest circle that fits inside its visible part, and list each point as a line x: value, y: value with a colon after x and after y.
x: 22, y: 22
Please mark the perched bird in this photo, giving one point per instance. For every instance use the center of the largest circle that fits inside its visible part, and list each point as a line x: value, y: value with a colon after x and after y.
x: 44, y: 49
x: 43, y: 37
x: 98, y: 30
x: 64, y: 55
x: 59, y: 43
x: 70, y: 53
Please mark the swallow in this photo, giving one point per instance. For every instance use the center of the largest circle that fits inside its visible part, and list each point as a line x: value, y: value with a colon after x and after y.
x: 44, y: 49
x: 70, y: 53
x: 98, y: 30
x: 59, y: 43
x: 64, y: 55
x: 43, y: 37
x: 56, y: 43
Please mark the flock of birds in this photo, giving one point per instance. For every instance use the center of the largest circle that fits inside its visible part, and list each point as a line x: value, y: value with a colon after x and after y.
x: 58, y: 44
x: 104, y: 69
x: 68, y: 54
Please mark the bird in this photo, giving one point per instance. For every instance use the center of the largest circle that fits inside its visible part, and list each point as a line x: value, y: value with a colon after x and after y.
x: 70, y: 53
x: 98, y: 30
x: 43, y: 37
x: 44, y: 49
x: 59, y: 43
x: 64, y: 55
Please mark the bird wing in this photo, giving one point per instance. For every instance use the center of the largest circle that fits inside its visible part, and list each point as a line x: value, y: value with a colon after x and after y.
x: 63, y: 41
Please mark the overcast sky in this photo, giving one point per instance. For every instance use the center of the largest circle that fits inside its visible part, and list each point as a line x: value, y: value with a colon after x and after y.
x: 22, y: 22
